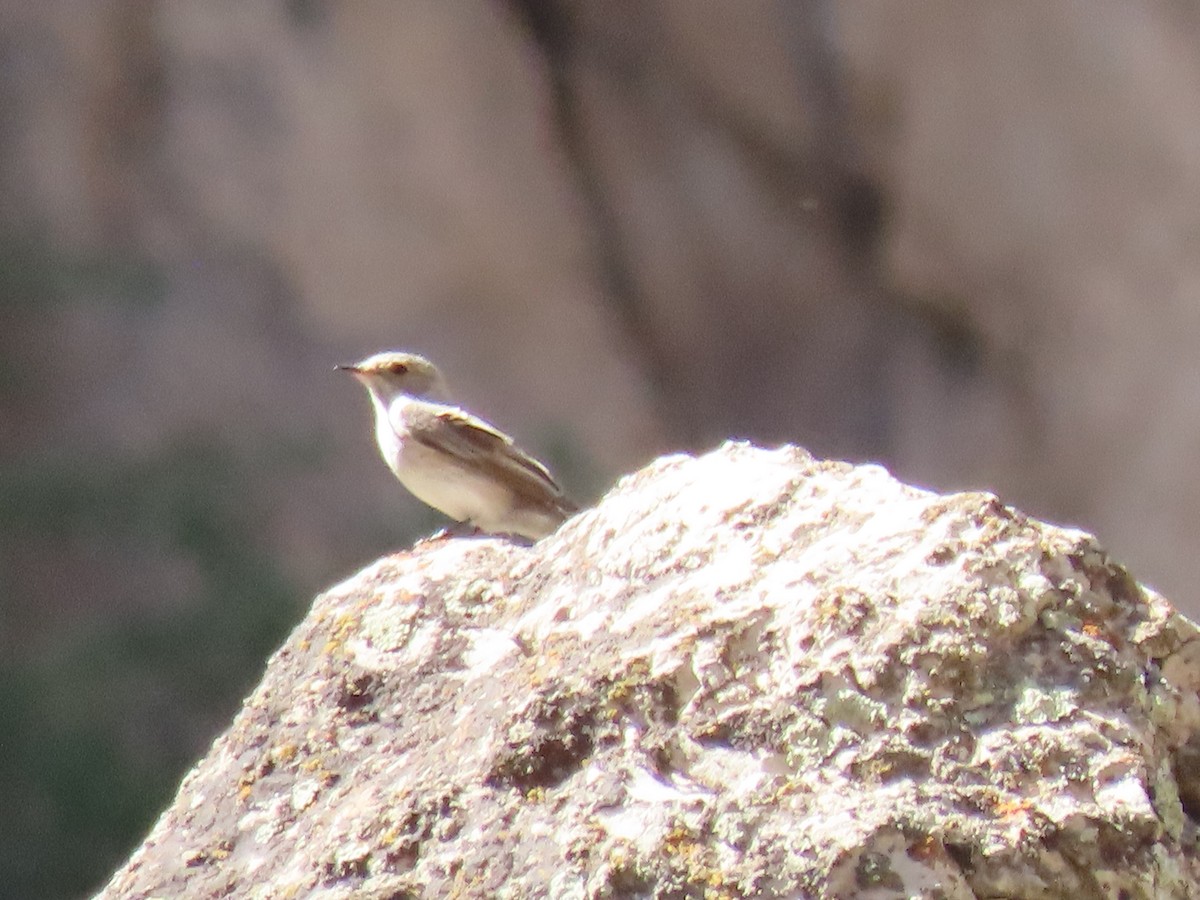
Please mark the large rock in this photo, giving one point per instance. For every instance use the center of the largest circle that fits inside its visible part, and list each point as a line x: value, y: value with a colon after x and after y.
x: 747, y: 674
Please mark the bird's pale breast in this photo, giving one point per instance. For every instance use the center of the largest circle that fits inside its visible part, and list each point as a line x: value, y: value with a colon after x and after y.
x: 440, y: 480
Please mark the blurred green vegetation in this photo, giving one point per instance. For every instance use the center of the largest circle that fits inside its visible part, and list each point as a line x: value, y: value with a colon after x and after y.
x: 35, y: 272
x: 37, y: 275
x: 97, y: 729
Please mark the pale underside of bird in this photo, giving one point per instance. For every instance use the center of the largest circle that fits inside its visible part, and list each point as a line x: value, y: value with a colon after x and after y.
x: 452, y: 460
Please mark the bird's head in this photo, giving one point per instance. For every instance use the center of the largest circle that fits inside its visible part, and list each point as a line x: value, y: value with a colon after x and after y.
x: 391, y: 373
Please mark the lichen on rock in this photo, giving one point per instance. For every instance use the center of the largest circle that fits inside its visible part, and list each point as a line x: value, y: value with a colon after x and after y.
x: 747, y: 674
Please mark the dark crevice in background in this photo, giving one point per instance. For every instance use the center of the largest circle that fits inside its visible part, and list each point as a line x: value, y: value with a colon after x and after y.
x: 553, y: 32
x: 857, y: 203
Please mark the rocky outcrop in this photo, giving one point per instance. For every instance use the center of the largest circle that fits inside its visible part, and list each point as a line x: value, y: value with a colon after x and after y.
x: 748, y: 674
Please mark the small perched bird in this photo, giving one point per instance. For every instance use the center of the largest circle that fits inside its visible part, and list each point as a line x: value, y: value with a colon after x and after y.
x: 449, y: 459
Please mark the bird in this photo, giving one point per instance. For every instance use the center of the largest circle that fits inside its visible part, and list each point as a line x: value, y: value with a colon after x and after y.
x: 451, y: 460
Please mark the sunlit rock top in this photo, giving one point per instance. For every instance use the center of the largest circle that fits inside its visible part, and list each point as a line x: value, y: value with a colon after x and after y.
x: 748, y: 674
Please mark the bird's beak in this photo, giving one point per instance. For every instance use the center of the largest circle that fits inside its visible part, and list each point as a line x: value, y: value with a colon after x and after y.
x: 360, y: 375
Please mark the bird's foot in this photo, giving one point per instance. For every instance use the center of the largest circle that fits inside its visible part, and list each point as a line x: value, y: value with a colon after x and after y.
x: 458, y: 529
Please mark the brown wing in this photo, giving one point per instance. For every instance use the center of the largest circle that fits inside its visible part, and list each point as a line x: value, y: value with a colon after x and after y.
x: 478, y: 444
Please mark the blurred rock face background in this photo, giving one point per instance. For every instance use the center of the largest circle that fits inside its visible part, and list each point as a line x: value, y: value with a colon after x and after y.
x: 959, y: 239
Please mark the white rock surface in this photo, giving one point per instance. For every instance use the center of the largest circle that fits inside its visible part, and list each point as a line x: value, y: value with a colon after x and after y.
x: 749, y: 674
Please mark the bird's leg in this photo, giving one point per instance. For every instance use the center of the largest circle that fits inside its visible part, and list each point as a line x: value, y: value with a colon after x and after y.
x: 458, y: 529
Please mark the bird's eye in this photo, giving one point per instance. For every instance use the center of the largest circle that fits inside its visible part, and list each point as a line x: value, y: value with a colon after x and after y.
x: 398, y: 368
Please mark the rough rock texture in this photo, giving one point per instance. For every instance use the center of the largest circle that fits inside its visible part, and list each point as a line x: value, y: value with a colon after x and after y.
x: 747, y: 674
